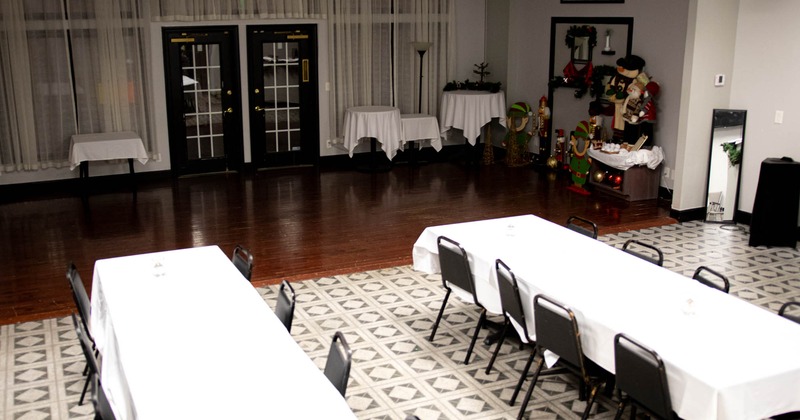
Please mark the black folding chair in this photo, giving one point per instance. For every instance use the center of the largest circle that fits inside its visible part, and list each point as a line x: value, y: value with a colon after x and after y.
x: 644, y: 251
x: 337, y: 367
x: 83, y: 304
x: 582, y: 226
x: 100, y: 402
x: 641, y: 379
x: 712, y: 278
x: 243, y: 260
x: 284, y: 308
x: 512, y: 310
x: 786, y: 307
x: 456, y: 273
x: 557, y: 331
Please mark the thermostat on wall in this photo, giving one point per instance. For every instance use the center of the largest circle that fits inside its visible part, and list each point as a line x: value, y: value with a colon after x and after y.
x: 719, y: 80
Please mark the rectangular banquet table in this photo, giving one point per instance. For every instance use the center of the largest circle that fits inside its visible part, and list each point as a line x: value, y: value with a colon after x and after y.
x: 725, y: 358
x: 184, y: 335
x: 105, y: 146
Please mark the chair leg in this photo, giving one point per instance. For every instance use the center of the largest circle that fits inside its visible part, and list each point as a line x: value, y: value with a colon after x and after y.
x: 85, y: 387
x: 439, y: 318
x: 499, y: 344
x: 528, y: 394
x: 522, y: 377
x: 478, y: 327
x: 592, y: 394
x: 620, y: 407
x: 633, y: 411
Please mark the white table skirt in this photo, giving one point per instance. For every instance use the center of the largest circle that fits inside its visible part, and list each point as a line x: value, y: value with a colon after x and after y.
x: 469, y: 110
x: 184, y: 335
x: 379, y: 122
x: 421, y: 128
x: 106, y: 146
x: 725, y: 358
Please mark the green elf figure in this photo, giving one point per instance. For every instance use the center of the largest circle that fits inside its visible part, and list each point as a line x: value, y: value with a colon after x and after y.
x: 517, y: 137
x: 579, y: 163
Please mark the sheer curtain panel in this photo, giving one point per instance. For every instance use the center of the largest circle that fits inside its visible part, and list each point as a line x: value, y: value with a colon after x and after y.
x: 372, y: 61
x: 37, y: 116
x: 109, y: 55
x: 200, y: 10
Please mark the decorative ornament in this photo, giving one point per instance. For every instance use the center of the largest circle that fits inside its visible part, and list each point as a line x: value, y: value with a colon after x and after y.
x: 552, y: 162
x: 598, y: 176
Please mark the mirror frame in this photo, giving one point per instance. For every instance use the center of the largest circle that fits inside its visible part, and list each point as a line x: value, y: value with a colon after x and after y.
x: 725, y: 118
x: 557, y: 25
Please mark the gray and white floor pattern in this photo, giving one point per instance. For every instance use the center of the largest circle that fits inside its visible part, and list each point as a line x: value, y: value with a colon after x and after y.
x: 386, y: 316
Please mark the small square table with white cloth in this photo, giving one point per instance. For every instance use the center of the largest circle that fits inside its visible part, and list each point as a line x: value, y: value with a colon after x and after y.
x: 183, y: 335
x: 469, y: 110
x: 106, y: 146
x: 421, y: 128
x: 381, y: 123
x: 725, y: 358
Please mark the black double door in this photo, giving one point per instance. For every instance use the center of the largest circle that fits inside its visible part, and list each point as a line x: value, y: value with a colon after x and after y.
x: 204, y: 100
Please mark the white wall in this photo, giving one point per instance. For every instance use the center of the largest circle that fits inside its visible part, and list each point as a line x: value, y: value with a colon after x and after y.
x: 709, y: 51
x: 765, y: 80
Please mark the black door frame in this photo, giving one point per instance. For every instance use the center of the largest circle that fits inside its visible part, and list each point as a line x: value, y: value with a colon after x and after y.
x: 309, y: 110
x: 228, y: 39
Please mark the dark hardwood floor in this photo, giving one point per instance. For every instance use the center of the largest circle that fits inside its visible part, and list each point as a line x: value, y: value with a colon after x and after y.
x: 299, y: 223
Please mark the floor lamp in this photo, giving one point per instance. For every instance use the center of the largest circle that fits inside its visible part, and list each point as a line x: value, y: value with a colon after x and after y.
x: 421, y: 48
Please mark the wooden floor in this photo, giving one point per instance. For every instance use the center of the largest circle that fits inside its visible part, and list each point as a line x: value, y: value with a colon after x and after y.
x: 299, y: 223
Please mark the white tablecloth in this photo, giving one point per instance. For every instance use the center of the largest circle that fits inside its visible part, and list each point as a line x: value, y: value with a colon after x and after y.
x: 725, y: 358
x: 183, y: 335
x: 422, y: 128
x: 106, y: 146
x: 469, y: 110
x: 379, y: 122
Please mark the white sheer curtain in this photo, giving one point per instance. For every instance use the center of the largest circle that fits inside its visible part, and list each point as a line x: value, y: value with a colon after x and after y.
x: 37, y: 116
x: 40, y: 107
x: 111, y: 63
x: 372, y: 61
x: 199, y: 10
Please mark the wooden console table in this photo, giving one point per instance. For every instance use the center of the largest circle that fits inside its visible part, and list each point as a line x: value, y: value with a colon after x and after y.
x: 638, y: 182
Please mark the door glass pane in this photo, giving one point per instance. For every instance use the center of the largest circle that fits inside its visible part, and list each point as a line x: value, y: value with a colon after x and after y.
x: 281, y: 90
x: 202, y: 95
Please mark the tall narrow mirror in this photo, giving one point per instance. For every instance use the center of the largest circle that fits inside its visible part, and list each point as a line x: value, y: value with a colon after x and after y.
x: 724, y: 167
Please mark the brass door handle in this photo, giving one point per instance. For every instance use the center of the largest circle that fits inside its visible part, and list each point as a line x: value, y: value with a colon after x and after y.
x: 259, y: 109
x: 228, y: 111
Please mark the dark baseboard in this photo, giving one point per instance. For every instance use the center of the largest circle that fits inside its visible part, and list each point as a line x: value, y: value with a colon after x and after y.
x: 688, y: 215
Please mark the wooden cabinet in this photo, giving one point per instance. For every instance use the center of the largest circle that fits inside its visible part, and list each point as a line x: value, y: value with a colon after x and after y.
x: 637, y: 183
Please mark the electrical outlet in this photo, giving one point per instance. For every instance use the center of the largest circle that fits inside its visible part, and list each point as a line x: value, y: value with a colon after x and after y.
x: 666, y: 172
x: 328, y: 143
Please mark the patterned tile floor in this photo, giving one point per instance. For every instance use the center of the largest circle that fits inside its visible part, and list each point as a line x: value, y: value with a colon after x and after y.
x: 386, y: 316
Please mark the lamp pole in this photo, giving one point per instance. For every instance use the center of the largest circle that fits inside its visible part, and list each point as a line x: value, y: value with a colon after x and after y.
x: 421, y: 48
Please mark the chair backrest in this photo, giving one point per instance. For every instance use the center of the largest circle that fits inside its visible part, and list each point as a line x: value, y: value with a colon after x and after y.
x: 80, y: 297
x: 641, y: 374
x: 784, y: 311
x: 582, y: 226
x: 454, y: 265
x: 509, y: 296
x: 243, y: 260
x: 557, y: 331
x: 86, y: 345
x: 650, y: 252
x: 337, y: 367
x: 284, y: 308
x: 711, y: 278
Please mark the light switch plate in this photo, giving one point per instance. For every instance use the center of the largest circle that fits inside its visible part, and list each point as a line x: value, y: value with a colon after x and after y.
x: 719, y: 80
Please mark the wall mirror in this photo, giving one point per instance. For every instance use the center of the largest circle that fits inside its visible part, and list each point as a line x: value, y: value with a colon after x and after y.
x: 576, y: 65
x: 724, y: 165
